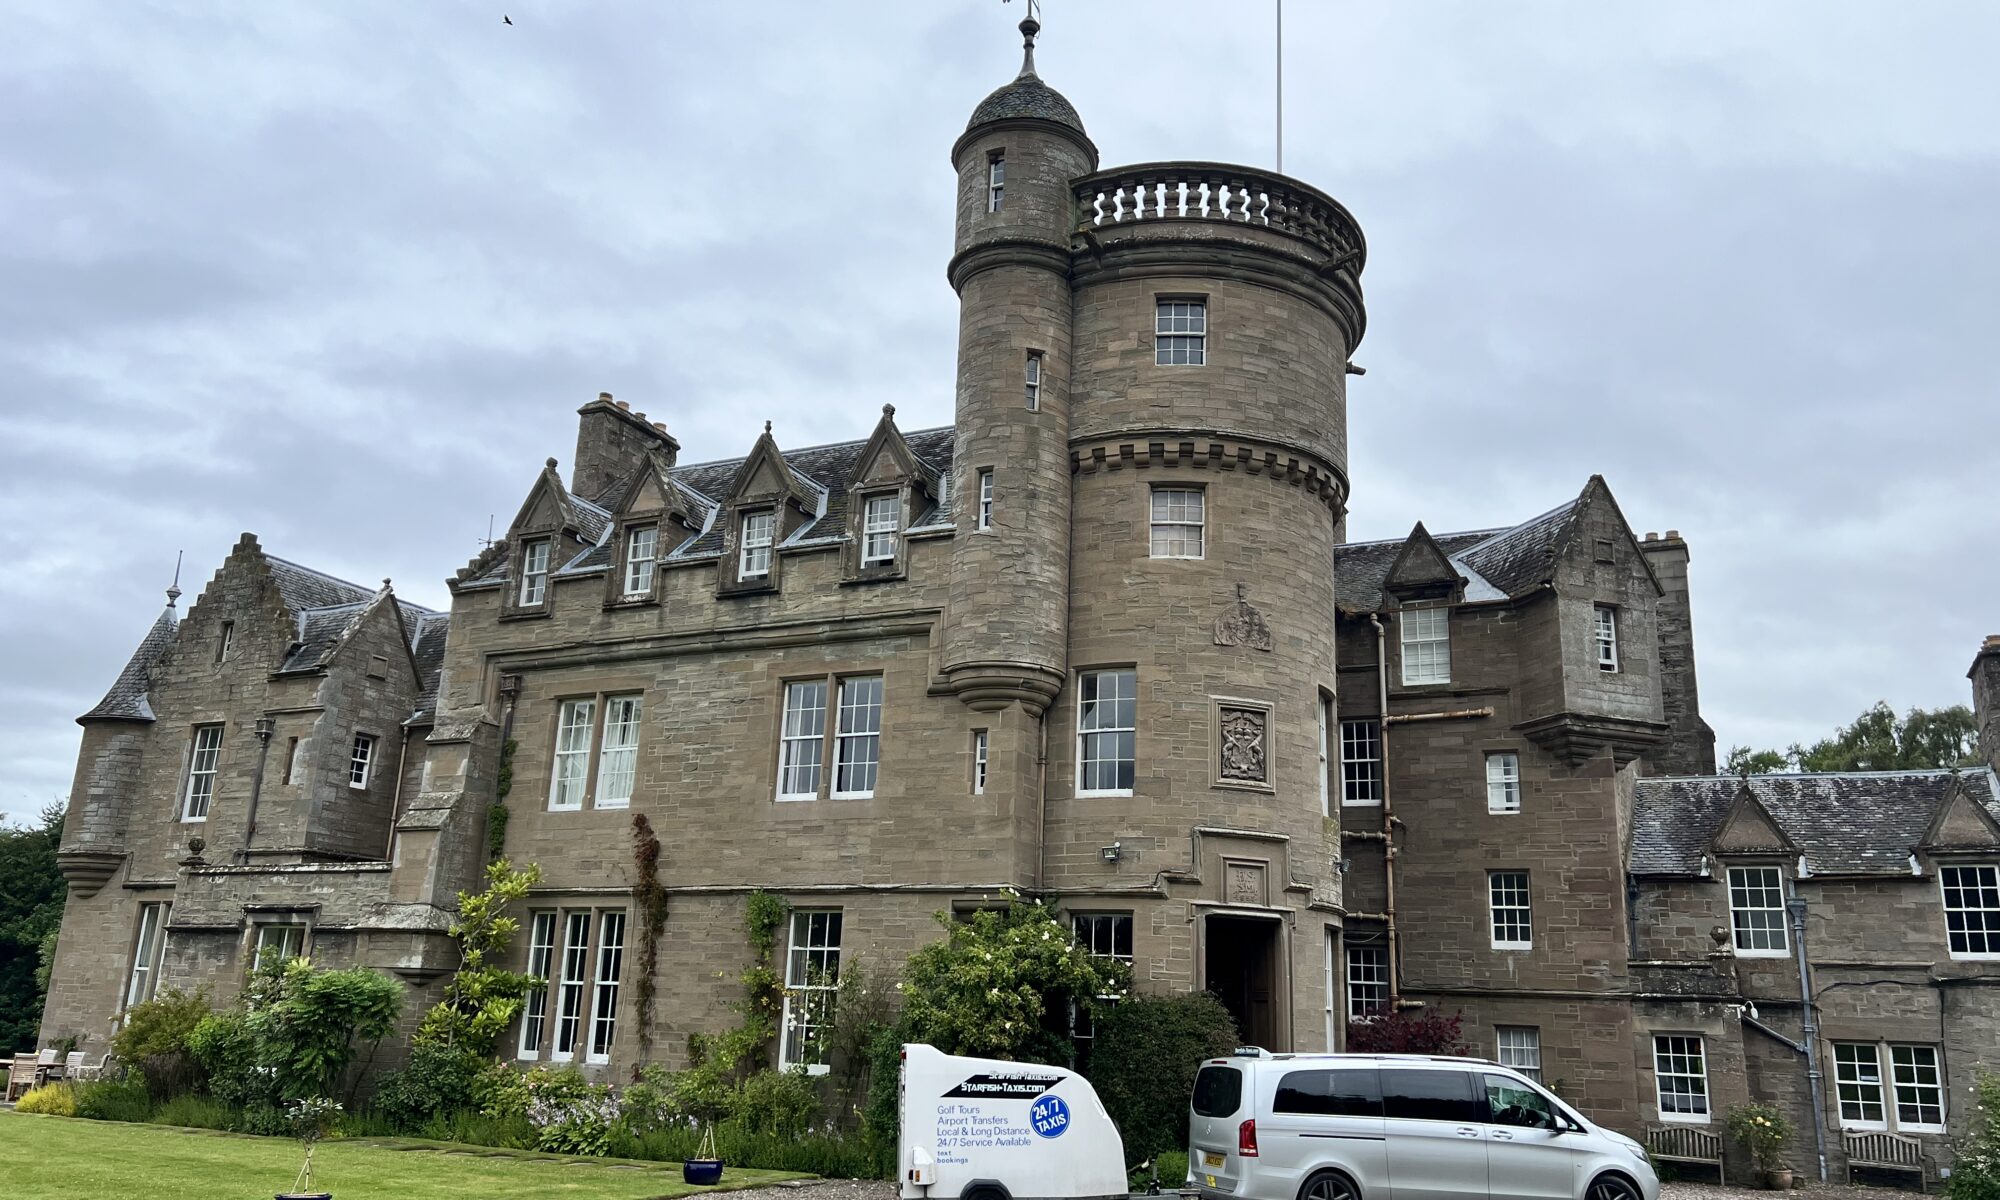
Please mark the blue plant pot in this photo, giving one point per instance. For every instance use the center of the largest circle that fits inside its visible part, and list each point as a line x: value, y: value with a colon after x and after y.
x: 702, y: 1171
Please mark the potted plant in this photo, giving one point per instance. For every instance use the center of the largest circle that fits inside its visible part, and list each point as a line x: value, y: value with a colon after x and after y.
x: 706, y: 1166
x: 1763, y: 1133
x: 312, y: 1121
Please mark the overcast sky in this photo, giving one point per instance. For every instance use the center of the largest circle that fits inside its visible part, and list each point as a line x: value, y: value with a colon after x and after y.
x: 340, y: 274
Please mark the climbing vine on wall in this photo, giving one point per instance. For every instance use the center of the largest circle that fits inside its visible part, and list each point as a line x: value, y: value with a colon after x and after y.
x: 763, y: 988
x: 651, y: 900
x: 496, y: 816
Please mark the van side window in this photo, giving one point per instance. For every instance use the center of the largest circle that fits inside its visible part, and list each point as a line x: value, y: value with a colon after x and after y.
x: 1330, y: 1093
x: 1512, y: 1104
x: 1218, y: 1091
x: 1430, y: 1096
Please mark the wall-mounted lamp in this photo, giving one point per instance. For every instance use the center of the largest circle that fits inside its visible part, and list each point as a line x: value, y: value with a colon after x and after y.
x: 1346, y: 865
x: 264, y: 727
x: 1113, y: 852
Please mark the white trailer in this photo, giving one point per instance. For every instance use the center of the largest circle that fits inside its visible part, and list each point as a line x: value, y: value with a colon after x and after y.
x: 986, y: 1129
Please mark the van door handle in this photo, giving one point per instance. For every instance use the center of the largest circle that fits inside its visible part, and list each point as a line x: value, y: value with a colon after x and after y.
x: 1501, y: 1135
x: 1467, y: 1131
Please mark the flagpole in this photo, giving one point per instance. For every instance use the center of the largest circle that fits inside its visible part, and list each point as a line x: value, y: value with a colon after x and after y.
x: 1281, y: 87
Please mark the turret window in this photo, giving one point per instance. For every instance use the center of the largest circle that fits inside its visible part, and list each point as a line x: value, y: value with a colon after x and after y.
x: 881, y: 528
x: 758, y: 531
x: 1179, y: 514
x: 534, y: 572
x: 641, y: 552
x: 1107, y: 728
x: 1180, y: 333
x: 1034, y: 381
x: 996, y: 182
x: 986, y: 499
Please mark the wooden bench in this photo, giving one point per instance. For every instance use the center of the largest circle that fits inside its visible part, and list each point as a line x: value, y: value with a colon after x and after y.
x: 1886, y: 1152
x: 1688, y: 1144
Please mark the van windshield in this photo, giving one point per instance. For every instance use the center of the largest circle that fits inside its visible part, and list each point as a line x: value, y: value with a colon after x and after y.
x: 1218, y: 1091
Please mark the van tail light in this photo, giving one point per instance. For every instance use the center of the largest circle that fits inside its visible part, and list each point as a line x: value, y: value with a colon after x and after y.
x: 1246, y: 1139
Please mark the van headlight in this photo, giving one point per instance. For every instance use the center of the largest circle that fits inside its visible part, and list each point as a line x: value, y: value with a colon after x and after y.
x: 1639, y: 1152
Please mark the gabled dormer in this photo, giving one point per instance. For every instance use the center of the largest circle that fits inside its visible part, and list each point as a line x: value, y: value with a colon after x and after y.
x: 651, y: 516
x: 1962, y: 824
x: 767, y: 503
x: 1749, y: 830
x: 1595, y: 552
x: 1423, y: 572
x: 886, y: 488
x: 552, y: 528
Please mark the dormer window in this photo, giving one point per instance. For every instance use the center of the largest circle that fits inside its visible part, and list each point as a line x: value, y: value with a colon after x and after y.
x: 534, y: 572
x: 641, y: 552
x: 881, y: 529
x: 759, y: 529
x: 996, y: 181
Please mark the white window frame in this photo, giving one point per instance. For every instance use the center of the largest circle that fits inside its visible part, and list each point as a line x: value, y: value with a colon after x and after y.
x: 1519, y: 1047
x: 881, y: 528
x: 604, y: 989
x: 224, y: 640
x: 1180, y: 529
x: 535, y: 1004
x: 569, y: 764
x: 857, y: 738
x: 1757, y: 882
x: 618, y: 762
x: 802, y: 739
x: 757, y: 544
x: 979, y: 762
x: 985, y: 518
x: 1671, y: 1049
x: 1425, y: 636
x: 535, y: 555
x: 1093, y: 724
x: 203, y: 770
x: 570, y: 1025
x: 1097, y: 934
x: 149, y: 947
x: 1604, y: 636
x: 1325, y: 714
x: 996, y: 181
x: 812, y: 985
x: 1864, y: 1077
x: 1984, y: 885
x: 1034, y: 381
x: 640, y: 561
x: 290, y: 938
x: 1367, y: 971
x: 1500, y: 886
x: 1503, y: 782
x: 1361, y: 762
x: 1331, y: 986
x: 1938, y: 1089
x: 1180, y: 331
x: 361, y: 761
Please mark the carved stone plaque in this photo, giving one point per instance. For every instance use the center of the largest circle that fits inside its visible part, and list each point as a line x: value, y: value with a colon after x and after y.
x: 1243, y: 883
x: 1242, y: 744
x: 1241, y: 624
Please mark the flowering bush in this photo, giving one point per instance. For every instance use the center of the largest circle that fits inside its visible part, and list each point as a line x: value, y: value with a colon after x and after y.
x: 50, y: 1099
x: 1762, y: 1131
x: 569, y: 1114
x: 1976, y: 1174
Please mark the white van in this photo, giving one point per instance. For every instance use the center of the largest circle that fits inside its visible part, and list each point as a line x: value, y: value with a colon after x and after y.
x: 1397, y: 1127
x: 985, y: 1129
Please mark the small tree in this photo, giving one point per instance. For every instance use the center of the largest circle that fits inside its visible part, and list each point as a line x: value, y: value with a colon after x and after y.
x: 1976, y: 1174
x: 1143, y: 1060
x: 154, y: 1039
x: 312, y: 1121
x: 308, y: 1026
x: 1409, y: 1031
x: 1762, y: 1131
x: 482, y: 999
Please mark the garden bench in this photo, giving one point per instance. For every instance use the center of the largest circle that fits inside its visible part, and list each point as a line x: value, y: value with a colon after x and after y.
x: 20, y: 1076
x: 1886, y: 1152
x: 1685, y: 1143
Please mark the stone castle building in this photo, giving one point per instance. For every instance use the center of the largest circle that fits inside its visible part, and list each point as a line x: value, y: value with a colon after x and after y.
x: 1102, y: 641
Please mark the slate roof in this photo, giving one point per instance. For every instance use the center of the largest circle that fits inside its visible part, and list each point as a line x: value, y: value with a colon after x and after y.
x: 1026, y: 97
x: 303, y: 588
x: 1866, y: 823
x: 322, y: 630
x: 1361, y: 568
x: 427, y: 646
x: 127, y: 699
x: 1496, y: 563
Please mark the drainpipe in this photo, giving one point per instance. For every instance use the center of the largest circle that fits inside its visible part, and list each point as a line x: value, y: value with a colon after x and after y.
x: 396, y: 797
x: 1388, y: 813
x: 1796, y: 906
x: 263, y: 729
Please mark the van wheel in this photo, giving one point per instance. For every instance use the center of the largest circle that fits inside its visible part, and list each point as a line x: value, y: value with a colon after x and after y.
x: 986, y: 1191
x: 1330, y: 1185
x: 1611, y: 1187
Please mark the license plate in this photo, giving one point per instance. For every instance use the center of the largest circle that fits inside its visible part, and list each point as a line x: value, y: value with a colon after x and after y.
x: 1213, y: 1160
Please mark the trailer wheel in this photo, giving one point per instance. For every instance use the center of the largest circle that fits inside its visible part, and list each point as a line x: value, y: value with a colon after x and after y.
x: 984, y: 1190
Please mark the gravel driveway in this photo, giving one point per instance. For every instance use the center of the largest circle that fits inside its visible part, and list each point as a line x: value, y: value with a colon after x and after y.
x: 882, y: 1189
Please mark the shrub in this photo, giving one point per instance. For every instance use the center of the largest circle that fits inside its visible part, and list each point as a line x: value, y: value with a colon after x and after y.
x: 50, y: 1099
x: 306, y: 1033
x: 481, y: 998
x: 1976, y: 1174
x: 265, y: 1120
x: 155, y: 1036
x: 226, y: 1047
x: 1410, y: 1031
x: 1143, y: 1061
x: 438, y: 1079
x: 830, y: 1155
x: 195, y: 1112
x: 1762, y: 1131
x: 114, y: 1100
x: 784, y: 1103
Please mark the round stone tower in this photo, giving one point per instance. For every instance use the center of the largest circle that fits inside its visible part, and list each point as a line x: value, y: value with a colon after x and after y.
x: 1016, y: 164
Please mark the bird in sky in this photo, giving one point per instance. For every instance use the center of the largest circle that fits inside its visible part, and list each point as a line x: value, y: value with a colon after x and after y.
x: 505, y: 19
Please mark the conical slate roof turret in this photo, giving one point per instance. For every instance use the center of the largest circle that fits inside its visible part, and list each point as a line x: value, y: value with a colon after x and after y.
x: 1027, y: 98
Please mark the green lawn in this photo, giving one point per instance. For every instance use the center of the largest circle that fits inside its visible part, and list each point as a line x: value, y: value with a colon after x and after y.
x: 63, y: 1158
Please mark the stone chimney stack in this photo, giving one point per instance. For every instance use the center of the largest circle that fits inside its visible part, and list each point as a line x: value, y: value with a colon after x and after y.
x: 611, y: 441
x: 1690, y: 748
x: 1985, y: 676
